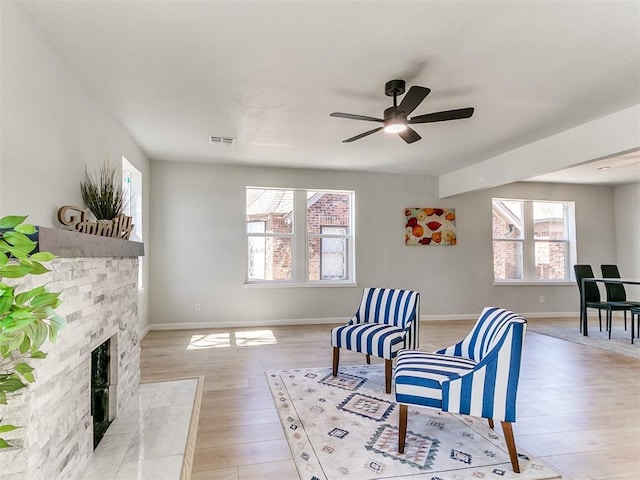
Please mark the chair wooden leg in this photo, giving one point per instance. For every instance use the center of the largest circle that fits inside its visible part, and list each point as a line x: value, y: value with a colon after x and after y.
x: 511, y: 445
x: 490, y: 423
x: 388, y: 371
x: 368, y: 357
x: 402, y: 428
x: 336, y: 360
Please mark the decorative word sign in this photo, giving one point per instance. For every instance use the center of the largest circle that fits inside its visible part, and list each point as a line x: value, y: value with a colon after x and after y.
x: 119, y: 227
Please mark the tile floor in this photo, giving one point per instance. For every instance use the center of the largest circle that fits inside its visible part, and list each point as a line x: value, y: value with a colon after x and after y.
x: 148, y: 439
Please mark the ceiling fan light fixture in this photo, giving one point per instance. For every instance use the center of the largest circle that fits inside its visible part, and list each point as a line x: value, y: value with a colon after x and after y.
x: 395, y: 126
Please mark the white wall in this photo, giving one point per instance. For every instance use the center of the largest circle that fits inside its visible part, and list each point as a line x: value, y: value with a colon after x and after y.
x: 51, y: 126
x: 199, y: 251
x: 627, y: 203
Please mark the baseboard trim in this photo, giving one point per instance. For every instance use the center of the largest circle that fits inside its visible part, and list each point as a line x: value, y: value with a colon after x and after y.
x: 252, y: 323
x: 327, y: 321
x: 144, y: 331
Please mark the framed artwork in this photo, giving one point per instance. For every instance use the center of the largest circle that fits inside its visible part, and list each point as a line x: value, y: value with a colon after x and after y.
x: 430, y: 226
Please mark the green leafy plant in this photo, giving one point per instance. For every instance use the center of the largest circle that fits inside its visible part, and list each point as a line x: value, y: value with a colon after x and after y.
x: 27, y: 318
x: 102, y: 192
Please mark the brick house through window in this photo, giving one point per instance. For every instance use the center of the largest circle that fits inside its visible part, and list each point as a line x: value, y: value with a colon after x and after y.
x: 270, y: 218
x: 532, y: 240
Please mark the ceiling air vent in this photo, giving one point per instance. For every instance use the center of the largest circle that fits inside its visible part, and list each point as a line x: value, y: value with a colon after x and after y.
x: 228, y: 141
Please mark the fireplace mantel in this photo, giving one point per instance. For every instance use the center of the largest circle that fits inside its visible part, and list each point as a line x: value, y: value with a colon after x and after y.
x: 71, y: 244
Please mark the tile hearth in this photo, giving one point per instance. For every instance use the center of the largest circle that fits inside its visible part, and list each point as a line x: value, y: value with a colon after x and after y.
x: 150, y: 436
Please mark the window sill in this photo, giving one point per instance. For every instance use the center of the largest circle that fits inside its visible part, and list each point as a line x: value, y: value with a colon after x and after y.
x: 529, y: 283
x: 299, y: 285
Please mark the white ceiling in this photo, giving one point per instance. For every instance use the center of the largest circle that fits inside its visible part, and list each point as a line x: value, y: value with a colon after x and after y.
x: 618, y: 170
x: 268, y: 73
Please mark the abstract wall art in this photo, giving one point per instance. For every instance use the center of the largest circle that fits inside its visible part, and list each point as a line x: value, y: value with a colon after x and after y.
x: 430, y: 226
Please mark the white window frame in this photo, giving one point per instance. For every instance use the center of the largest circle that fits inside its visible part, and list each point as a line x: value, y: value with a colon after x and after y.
x: 300, y: 241
x: 528, y: 242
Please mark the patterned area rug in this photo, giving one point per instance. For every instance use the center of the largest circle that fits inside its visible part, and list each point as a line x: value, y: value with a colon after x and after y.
x: 347, y: 428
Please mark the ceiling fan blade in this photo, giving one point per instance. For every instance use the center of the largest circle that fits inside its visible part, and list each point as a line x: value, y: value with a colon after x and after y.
x: 412, y: 99
x: 351, y: 116
x: 410, y: 135
x: 358, y: 137
x: 443, y: 116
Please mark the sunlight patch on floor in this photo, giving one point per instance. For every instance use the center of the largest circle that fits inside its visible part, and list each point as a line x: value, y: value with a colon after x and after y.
x: 255, y: 337
x: 247, y: 338
x: 212, y: 340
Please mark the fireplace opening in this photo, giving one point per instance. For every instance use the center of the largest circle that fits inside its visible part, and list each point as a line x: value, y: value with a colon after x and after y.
x: 100, y: 383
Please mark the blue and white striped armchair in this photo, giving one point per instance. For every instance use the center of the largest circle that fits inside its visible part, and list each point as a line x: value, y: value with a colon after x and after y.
x: 386, y: 322
x: 477, y: 376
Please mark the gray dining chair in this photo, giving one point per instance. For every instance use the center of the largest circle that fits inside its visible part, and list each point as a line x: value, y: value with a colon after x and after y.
x: 617, y: 293
x: 591, y: 295
x: 592, y: 299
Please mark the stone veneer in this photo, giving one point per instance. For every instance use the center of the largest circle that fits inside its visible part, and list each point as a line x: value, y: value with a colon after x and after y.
x: 99, y: 301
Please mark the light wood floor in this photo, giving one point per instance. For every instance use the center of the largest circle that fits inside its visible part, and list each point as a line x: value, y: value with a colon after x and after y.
x: 579, y: 407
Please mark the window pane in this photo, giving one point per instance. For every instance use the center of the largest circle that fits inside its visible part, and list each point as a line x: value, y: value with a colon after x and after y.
x: 257, y: 226
x: 507, y: 219
x: 313, y: 258
x: 325, y: 209
x: 257, y: 247
x: 507, y: 260
x: 551, y: 260
x: 269, y: 258
x: 327, y: 258
x: 333, y: 262
x: 273, y: 207
x: 548, y: 220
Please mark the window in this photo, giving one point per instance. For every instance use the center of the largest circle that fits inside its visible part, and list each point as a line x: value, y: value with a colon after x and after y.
x: 132, y: 205
x: 132, y: 191
x: 299, y: 236
x: 533, y: 240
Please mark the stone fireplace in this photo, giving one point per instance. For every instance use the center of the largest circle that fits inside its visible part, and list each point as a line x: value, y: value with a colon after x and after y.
x: 100, y: 303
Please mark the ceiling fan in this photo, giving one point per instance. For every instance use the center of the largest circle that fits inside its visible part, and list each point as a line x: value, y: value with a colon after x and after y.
x: 395, y: 118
